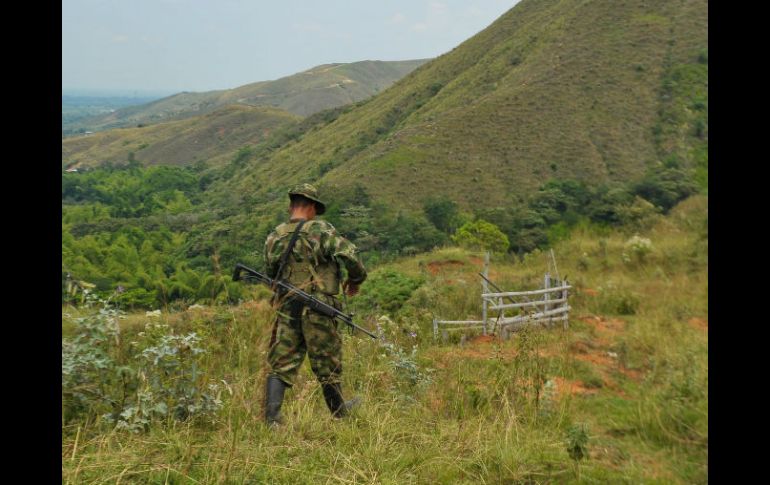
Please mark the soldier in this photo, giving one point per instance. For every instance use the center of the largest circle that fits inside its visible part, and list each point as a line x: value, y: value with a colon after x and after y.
x: 312, y: 264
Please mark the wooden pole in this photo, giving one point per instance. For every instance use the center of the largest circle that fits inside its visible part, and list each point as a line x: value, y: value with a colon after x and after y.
x: 547, y: 296
x: 485, y: 289
x: 435, y: 329
x: 535, y: 303
x: 541, y: 291
x: 566, y: 315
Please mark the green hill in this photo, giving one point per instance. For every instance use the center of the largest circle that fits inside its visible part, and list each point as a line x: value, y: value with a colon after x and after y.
x: 202, y: 138
x: 596, y: 91
x: 304, y: 93
x: 556, y: 115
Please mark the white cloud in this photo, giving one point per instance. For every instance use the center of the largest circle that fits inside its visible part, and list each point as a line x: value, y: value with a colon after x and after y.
x: 420, y: 27
x: 120, y: 38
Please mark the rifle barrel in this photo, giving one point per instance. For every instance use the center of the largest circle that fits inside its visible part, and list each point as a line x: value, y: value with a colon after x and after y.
x: 310, y: 300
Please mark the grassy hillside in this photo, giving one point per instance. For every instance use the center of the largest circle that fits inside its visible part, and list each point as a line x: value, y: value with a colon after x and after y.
x: 619, y: 90
x: 597, y: 91
x: 206, y: 138
x: 304, y: 93
x: 619, y: 397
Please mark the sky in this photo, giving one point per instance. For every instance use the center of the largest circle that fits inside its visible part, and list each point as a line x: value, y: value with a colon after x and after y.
x: 144, y: 47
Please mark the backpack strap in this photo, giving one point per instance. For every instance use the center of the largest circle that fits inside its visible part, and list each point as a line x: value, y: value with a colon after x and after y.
x: 287, y: 251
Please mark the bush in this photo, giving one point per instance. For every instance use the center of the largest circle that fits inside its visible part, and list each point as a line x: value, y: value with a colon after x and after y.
x: 408, y: 231
x: 137, y: 298
x: 160, y: 379
x: 639, y: 215
x: 482, y: 235
x: 442, y: 213
x: 617, y: 301
x: 636, y: 249
x: 88, y: 367
x: 665, y: 186
x: 387, y: 291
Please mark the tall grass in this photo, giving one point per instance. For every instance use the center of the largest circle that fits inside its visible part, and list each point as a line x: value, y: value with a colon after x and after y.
x: 635, y: 377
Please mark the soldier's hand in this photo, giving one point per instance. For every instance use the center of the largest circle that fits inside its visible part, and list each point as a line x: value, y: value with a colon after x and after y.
x: 350, y: 288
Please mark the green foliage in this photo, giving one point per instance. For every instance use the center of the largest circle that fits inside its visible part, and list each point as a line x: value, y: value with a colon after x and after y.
x: 137, y: 298
x: 577, y: 441
x: 387, y: 291
x: 616, y: 300
x: 644, y: 398
x: 442, y: 213
x: 156, y: 379
x: 636, y: 249
x: 482, y: 235
x: 89, y: 368
x: 665, y: 186
x: 133, y: 191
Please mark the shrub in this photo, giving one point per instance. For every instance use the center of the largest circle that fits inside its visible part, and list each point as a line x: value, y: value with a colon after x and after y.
x: 408, y: 231
x: 160, y: 379
x: 665, y: 185
x: 481, y: 235
x: 577, y: 441
x: 639, y: 215
x: 387, y: 290
x: 442, y: 213
x: 137, y: 297
x: 88, y: 366
x: 636, y: 249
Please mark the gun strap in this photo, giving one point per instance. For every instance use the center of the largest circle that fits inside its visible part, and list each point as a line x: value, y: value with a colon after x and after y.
x: 285, y: 255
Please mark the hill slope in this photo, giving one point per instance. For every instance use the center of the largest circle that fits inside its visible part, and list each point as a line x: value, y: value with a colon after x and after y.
x: 597, y: 91
x: 183, y: 142
x: 304, y: 93
x: 485, y: 411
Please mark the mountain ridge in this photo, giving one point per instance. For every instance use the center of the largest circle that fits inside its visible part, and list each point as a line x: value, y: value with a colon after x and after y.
x: 303, y: 93
x: 552, y: 89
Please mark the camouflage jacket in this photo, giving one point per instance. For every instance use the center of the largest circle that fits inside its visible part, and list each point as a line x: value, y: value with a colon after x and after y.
x: 314, y: 263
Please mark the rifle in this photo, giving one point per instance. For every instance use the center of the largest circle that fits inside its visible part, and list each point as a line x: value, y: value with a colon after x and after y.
x: 285, y: 289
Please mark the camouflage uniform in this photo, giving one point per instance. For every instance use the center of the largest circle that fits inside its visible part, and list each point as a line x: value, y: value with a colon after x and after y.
x: 314, y: 266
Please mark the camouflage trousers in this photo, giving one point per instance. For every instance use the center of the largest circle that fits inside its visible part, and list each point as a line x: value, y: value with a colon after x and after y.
x: 297, y: 331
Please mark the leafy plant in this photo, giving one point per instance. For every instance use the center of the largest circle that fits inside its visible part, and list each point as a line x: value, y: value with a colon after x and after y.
x: 387, y: 290
x: 482, y: 235
x: 161, y: 380
x: 636, y: 249
x: 577, y: 441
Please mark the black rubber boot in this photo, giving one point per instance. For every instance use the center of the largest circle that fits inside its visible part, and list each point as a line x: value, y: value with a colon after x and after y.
x: 337, y: 405
x: 273, y: 399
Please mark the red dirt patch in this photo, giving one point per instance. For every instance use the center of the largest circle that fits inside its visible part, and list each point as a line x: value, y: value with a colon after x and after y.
x: 482, y: 339
x: 699, y: 324
x: 437, y: 266
x: 606, y: 330
x: 565, y: 386
x: 600, y: 359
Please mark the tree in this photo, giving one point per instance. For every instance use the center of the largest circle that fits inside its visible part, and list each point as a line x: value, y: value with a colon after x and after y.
x: 482, y: 235
x: 442, y: 213
x: 666, y: 185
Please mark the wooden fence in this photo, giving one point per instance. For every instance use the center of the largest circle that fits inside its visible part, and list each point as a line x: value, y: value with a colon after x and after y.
x: 544, y: 306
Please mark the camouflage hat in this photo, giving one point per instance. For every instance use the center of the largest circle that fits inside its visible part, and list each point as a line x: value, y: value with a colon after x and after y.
x: 310, y: 192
